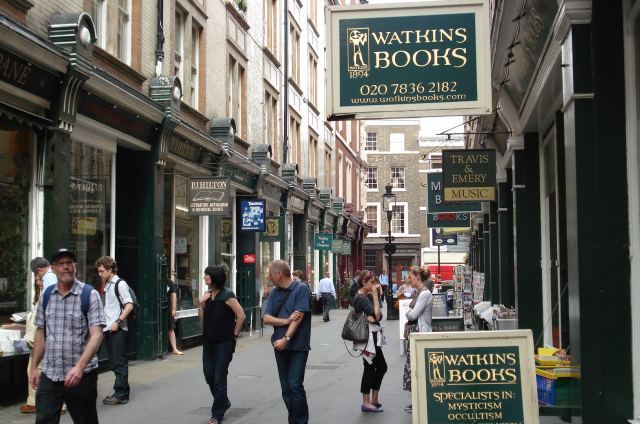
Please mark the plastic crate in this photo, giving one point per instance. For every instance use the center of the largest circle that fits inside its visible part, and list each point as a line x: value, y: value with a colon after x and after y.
x: 557, y: 391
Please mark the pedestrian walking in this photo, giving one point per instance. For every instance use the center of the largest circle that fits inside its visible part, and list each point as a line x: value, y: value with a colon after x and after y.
x: 222, y: 318
x: 117, y: 307
x: 172, y: 297
x: 384, y: 283
x: 375, y: 366
x: 288, y: 312
x: 68, y: 340
x: 419, y: 316
x: 326, y: 293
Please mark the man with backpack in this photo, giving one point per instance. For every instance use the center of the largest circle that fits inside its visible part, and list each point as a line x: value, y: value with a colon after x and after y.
x: 69, y: 321
x: 118, y: 304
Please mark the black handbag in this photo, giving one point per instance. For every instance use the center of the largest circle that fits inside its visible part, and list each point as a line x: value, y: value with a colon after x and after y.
x: 356, y: 327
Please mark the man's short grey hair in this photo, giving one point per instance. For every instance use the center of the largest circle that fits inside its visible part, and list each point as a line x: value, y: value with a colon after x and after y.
x: 37, y: 263
x: 281, y: 266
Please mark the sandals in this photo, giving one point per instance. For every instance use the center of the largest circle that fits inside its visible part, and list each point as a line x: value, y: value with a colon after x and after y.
x: 365, y: 408
x: 214, y: 421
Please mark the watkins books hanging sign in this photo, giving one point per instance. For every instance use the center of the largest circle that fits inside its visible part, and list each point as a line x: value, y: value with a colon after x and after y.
x: 409, y: 59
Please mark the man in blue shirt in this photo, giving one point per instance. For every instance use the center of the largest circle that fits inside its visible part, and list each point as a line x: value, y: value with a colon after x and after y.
x: 288, y: 312
x: 384, y: 283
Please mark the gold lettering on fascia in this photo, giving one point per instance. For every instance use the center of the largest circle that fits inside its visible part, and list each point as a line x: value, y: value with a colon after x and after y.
x: 14, y: 70
x: 421, y: 58
x: 208, y: 184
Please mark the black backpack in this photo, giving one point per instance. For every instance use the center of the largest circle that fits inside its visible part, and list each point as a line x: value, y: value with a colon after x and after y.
x: 134, y: 300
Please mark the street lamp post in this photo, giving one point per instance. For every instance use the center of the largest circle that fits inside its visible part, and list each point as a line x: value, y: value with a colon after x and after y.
x: 389, y: 201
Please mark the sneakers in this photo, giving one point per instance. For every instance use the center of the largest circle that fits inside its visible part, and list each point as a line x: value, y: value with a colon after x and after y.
x: 112, y: 400
x: 28, y: 409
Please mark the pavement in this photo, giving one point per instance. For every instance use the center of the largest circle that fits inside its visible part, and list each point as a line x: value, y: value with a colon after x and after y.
x: 173, y: 390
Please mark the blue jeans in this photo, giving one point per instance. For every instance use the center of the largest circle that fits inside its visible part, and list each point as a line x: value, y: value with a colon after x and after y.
x: 119, y: 363
x: 291, y: 367
x: 80, y: 400
x: 216, y: 358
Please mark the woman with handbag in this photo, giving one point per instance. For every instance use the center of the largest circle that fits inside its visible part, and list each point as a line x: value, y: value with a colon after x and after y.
x: 418, y: 317
x: 367, y: 300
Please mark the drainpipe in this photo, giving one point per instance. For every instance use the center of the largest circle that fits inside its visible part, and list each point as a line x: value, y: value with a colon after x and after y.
x: 160, y: 38
x: 285, y: 114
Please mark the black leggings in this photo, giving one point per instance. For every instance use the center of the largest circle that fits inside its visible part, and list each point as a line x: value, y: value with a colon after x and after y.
x: 373, y: 372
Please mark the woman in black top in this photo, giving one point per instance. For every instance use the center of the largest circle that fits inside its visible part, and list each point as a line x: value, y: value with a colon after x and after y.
x: 367, y: 300
x: 222, y: 318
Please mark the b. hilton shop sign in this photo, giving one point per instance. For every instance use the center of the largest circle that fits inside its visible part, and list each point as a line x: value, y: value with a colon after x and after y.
x: 409, y: 60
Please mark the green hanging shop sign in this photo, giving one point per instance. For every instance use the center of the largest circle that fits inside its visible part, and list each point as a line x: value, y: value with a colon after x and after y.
x: 409, y: 59
x: 323, y: 241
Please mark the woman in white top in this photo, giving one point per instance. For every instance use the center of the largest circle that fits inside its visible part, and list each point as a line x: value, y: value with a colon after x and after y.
x: 418, y: 315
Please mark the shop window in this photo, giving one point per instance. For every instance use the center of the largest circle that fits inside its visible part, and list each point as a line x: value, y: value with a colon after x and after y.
x: 90, y: 208
x: 182, y: 242
x: 15, y: 182
x: 221, y: 245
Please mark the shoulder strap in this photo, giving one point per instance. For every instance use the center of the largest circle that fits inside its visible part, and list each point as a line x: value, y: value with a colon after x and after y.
x: 45, y: 300
x: 284, y: 300
x: 118, y: 294
x: 45, y: 297
x: 85, y: 302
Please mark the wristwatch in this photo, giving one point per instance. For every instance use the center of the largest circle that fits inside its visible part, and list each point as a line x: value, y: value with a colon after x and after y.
x: 118, y: 321
x: 287, y: 338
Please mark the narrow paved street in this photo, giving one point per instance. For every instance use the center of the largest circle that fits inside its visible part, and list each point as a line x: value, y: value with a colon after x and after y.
x: 172, y: 390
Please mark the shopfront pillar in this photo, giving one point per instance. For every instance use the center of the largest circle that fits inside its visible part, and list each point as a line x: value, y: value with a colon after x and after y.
x: 597, y: 214
x: 505, y: 237
x: 486, y: 259
x: 56, y: 191
x: 494, y: 255
x: 527, y: 244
